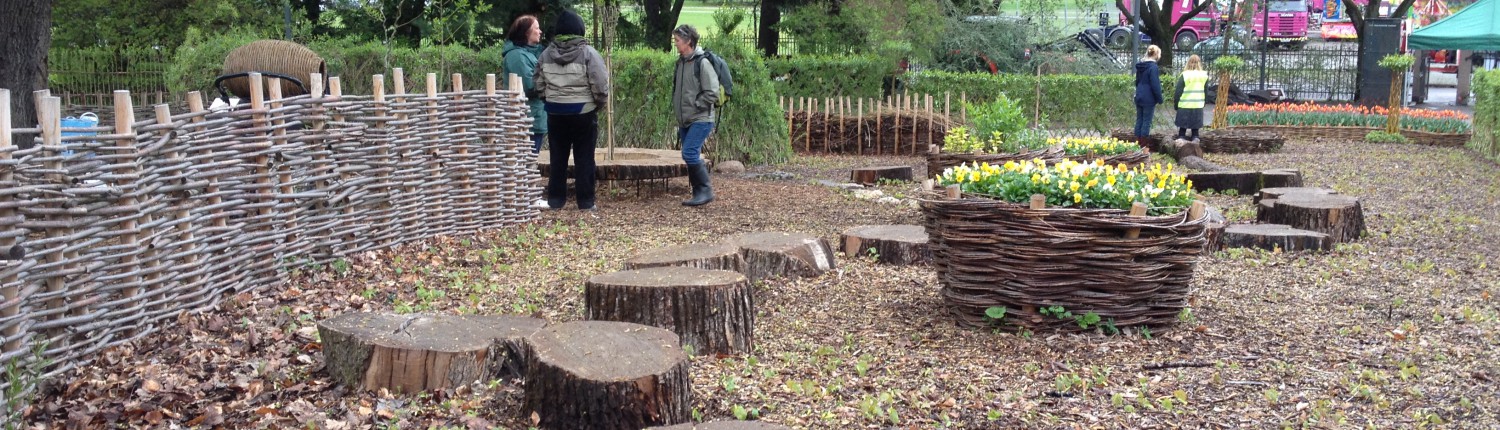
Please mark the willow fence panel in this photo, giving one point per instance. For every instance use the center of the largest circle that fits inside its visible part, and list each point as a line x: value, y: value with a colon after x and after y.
x: 143, y: 220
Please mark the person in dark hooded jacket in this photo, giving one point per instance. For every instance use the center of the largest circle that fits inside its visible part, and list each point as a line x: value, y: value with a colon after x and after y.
x: 573, y: 85
x: 1147, y: 91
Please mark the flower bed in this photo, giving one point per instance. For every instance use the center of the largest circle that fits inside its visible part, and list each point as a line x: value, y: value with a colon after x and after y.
x: 1071, y: 265
x: 1344, y: 121
x: 960, y: 147
x: 1110, y: 150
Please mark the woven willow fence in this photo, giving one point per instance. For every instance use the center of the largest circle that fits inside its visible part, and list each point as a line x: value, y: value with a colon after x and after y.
x: 148, y: 219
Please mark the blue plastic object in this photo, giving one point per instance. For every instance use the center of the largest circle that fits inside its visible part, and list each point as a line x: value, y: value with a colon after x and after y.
x: 86, y: 120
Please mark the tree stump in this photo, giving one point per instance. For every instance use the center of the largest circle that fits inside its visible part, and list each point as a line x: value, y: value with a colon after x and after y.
x: 1280, y: 178
x: 1274, y: 236
x: 713, y: 311
x: 725, y: 425
x: 1201, y: 165
x: 1241, y: 181
x: 899, y: 245
x: 711, y: 256
x: 772, y: 254
x: 873, y: 175
x: 1321, y: 210
x: 1213, y: 232
x: 412, y: 353
x: 1179, y: 148
x: 607, y: 375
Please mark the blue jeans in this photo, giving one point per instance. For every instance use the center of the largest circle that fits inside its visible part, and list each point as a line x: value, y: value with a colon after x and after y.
x: 691, y: 138
x: 1143, y: 120
x: 536, y: 142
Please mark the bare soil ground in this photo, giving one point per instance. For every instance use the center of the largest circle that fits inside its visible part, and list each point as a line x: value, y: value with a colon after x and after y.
x: 1398, y: 330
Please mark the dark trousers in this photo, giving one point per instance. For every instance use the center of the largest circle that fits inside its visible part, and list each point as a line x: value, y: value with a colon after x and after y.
x: 576, y: 135
x: 1143, y: 120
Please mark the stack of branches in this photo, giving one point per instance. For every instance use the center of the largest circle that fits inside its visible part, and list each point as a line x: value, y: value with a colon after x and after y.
x: 898, y: 132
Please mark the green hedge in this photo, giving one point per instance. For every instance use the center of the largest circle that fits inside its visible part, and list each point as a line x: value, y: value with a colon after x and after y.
x: 1486, y: 139
x: 751, y: 126
x: 827, y: 76
x: 1069, y: 102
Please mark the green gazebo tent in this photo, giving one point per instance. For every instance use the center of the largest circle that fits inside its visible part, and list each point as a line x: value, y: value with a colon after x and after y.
x: 1474, y: 28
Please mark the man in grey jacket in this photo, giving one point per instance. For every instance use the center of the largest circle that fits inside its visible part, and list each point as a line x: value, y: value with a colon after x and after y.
x: 695, y: 92
x: 573, y: 85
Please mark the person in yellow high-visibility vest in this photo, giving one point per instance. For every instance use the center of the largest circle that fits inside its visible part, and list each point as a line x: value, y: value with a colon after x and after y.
x: 1190, y: 98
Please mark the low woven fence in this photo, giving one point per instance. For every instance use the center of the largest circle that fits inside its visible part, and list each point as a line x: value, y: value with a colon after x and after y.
x: 110, y: 236
x: 939, y: 161
x: 1242, y: 140
x: 1357, y: 133
x: 990, y: 253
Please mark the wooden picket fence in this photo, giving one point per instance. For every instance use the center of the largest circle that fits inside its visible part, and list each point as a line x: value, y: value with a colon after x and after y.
x: 110, y: 232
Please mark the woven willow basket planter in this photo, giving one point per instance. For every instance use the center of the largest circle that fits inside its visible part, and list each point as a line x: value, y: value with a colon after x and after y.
x: 1130, y: 159
x: 1241, y: 140
x: 1357, y: 133
x: 991, y: 253
x: 939, y: 161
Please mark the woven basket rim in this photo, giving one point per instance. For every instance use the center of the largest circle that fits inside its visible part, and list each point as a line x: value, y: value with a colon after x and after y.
x: 935, y: 197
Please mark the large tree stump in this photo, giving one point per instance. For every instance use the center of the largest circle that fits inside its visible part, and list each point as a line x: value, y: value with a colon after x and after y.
x: 1241, y: 181
x: 1280, y: 178
x: 899, y: 245
x: 711, y: 256
x: 725, y: 425
x: 1339, y: 216
x: 873, y: 175
x: 772, y: 254
x: 411, y: 353
x: 1201, y: 165
x: 1274, y: 236
x: 713, y: 311
x: 607, y: 375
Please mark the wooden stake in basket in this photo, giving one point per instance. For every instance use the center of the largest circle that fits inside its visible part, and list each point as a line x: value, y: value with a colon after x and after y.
x: 1038, y: 201
x: 1136, y: 209
x: 953, y: 191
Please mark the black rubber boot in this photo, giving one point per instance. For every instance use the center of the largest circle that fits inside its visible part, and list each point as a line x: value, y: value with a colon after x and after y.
x: 703, y: 192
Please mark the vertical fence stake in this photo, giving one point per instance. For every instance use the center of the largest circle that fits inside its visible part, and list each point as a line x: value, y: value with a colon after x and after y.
x: 463, y: 155
x: 49, y: 118
x: 125, y: 126
x: 827, y: 109
x: 879, y: 130
x: 9, y: 289
x: 963, y: 107
x: 859, y: 128
x: 913, y: 110
x: 807, y: 124
x: 929, y: 121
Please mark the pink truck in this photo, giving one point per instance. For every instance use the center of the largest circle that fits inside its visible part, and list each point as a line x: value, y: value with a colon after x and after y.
x: 1288, y: 23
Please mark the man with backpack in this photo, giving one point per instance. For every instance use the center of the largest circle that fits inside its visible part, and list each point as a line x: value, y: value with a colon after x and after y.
x: 695, y: 95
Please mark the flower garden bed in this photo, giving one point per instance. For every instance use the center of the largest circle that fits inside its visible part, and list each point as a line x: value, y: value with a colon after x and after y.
x: 1076, y: 262
x: 960, y: 147
x: 1111, y: 151
x: 1343, y: 121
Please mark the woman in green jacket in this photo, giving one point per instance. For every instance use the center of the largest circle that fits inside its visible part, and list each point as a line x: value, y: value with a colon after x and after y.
x: 523, y: 44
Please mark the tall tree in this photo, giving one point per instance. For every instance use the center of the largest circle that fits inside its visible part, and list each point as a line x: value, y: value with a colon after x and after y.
x: 1159, y: 24
x: 1358, y: 13
x: 661, y: 18
x: 769, y: 40
x: 25, y: 34
x: 314, y: 11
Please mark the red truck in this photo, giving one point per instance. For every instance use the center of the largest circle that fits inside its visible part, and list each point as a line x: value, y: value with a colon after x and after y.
x: 1288, y: 23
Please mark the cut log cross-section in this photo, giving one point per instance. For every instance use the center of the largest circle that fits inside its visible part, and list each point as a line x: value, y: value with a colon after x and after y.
x: 899, y: 245
x: 412, y: 353
x: 607, y: 375
x: 873, y: 175
x: 712, y: 311
x: 1339, y: 216
x: 1274, y: 237
x: 712, y: 256
x: 725, y: 425
x: 1241, y: 181
x: 773, y: 254
x: 1280, y: 178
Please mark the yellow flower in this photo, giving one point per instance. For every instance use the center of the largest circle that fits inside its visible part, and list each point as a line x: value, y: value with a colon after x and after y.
x: 1075, y: 185
x: 1036, y: 177
x: 1012, y: 166
x: 1110, y: 179
x: 974, y: 177
x: 1077, y: 198
x: 1092, y: 183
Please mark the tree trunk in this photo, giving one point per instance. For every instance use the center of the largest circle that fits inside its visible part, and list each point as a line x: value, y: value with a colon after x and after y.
x: 25, y: 34
x: 314, y: 11
x: 873, y: 175
x: 1221, y: 101
x: 607, y: 375
x: 713, y: 311
x: 716, y: 256
x: 1274, y: 236
x: 899, y: 245
x: 770, y: 38
x: 413, y: 353
x: 660, y: 20
x: 773, y: 254
x: 1338, y: 216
